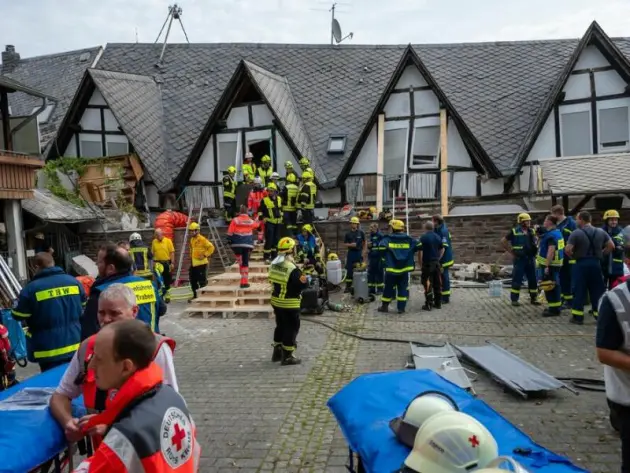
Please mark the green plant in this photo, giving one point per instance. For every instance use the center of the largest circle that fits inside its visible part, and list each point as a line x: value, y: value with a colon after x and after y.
x: 67, y: 166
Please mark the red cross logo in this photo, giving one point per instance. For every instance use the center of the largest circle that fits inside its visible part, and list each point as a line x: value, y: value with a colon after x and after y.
x: 178, y: 438
x: 473, y: 440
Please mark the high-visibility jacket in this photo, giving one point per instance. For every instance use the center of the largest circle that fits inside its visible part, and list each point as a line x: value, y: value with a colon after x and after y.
x: 240, y: 232
x: 613, y: 262
x: 97, y: 400
x: 200, y: 250
x: 149, y: 430
x: 306, y: 196
x: 249, y: 169
x: 271, y: 210
x: 523, y: 242
x: 448, y: 258
x: 375, y: 251
x: 265, y: 174
x: 289, y: 197
x: 229, y: 187
x: 398, y: 251
x: 553, y: 238
x: 51, y: 305
x: 142, y: 258
x: 254, y: 199
x: 287, y: 284
x: 146, y: 297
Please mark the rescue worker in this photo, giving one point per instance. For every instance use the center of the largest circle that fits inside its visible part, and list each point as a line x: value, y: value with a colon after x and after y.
x: 521, y: 243
x: 432, y: 248
x: 141, y: 255
x: 447, y: 259
x: 355, y: 242
x: 229, y: 194
x: 549, y: 262
x: 308, y: 249
x: 164, y: 253
x: 306, y: 198
x: 275, y: 178
x: 587, y: 245
x: 287, y: 283
x: 612, y: 264
x: 240, y: 235
x: 375, y: 260
x: 271, y: 213
x: 265, y: 171
x: 249, y: 168
x: 255, y: 198
x: 117, y: 303
x: 148, y: 426
x: 288, y: 169
x: 50, y: 306
x: 304, y: 163
x: 7, y: 362
x: 398, y: 253
x: 566, y: 225
x: 289, y: 199
x: 201, y: 250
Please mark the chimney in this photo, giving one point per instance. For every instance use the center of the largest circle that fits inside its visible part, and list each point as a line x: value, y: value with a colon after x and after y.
x: 10, y: 58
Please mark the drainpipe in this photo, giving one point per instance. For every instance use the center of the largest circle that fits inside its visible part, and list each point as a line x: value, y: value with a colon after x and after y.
x: 380, y: 151
x: 30, y: 118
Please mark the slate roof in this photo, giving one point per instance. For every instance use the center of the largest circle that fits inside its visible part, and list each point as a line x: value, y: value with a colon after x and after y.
x: 575, y: 176
x: 136, y: 102
x: 15, y: 86
x: 50, y: 208
x: 57, y: 75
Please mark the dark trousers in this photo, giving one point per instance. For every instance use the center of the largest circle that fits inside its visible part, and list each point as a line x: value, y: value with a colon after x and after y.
x: 229, y: 205
x: 49, y: 365
x: 446, y: 285
x: 272, y: 232
x: 287, y: 328
x: 197, y: 276
x: 353, y: 257
x: 396, y: 285
x: 554, y: 298
x: 375, y: 275
x: 308, y: 215
x: 524, y: 266
x: 587, y: 278
x: 166, y: 275
x: 431, y: 280
x: 290, y: 222
x: 566, y: 289
x: 621, y: 416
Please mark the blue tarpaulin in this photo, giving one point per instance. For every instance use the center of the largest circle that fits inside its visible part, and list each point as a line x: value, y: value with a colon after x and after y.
x: 30, y: 437
x: 366, y: 405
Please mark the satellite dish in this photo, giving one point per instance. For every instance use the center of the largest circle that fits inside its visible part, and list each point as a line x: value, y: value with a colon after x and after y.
x: 336, y: 31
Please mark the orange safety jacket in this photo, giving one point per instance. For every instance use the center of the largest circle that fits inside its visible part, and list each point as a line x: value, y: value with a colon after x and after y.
x: 96, y: 400
x: 240, y: 231
x: 253, y: 201
x: 149, y: 430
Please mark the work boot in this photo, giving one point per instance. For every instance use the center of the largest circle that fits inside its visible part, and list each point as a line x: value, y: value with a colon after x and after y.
x: 289, y: 358
x: 427, y: 306
x: 516, y: 304
x: 348, y: 289
x: 244, y: 285
x: 577, y: 320
x: 401, y: 311
x: 535, y: 301
x: 550, y: 313
x: 384, y: 307
x: 438, y: 305
x: 277, y: 352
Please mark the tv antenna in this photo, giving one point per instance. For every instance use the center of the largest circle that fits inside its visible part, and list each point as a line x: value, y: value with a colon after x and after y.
x: 335, y: 28
x: 174, y: 13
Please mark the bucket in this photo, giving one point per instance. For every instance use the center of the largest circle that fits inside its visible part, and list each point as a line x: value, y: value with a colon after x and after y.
x: 495, y: 288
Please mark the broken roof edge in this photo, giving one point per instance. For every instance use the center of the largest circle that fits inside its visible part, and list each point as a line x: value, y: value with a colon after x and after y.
x: 12, y: 85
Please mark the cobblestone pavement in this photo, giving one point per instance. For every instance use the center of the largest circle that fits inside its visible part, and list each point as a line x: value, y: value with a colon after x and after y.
x: 255, y: 416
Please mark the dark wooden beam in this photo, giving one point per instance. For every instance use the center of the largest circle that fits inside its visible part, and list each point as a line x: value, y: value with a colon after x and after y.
x: 554, y: 200
x: 412, y: 110
x: 601, y: 98
x: 6, y: 120
x: 556, y: 120
x: 580, y: 204
x: 415, y: 89
x: 576, y: 72
x: 594, y: 129
x: 565, y: 202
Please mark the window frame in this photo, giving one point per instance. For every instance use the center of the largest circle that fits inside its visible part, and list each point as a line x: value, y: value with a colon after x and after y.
x: 391, y: 126
x: 612, y: 149
x: 570, y: 109
x: 332, y: 138
x: 425, y: 123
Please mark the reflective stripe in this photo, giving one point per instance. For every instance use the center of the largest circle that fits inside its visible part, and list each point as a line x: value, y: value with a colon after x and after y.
x: 571, y: 261
x: 446, y: 293
x: 124, y: 450
x: 578, y: 313
x: 143, y: 290
x: 515, y: 291
x: 401, y: 246
x: 555, y: 304
x: 386, y: 299
x: 401, y: 298
x: 517, y: 247
x: 567, y: 297
x: 19, y: 314
x: 56, y: 351
x: 448, y: 264
x: 285, y: 303
x: 56, y: 292
x: 402, y: 270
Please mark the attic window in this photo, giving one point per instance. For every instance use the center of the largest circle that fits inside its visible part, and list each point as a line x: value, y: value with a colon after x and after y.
x: 337, y: 144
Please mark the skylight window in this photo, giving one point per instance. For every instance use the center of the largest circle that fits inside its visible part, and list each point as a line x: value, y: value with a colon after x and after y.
x: 337, y: 144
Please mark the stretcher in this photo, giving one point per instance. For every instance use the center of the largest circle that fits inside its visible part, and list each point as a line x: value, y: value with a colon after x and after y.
x: 31, y: 438
x: 365, y: 406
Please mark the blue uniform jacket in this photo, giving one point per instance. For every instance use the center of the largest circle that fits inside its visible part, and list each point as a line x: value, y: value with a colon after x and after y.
x: 399, y: 251
x: 374, y: 250
x: 358, y: 237
x: 448, y: 258
x: 430, y: 243
x: 523, y: 244
x: 307, y: 246
x: 51, y: 306
x: 551, y: 238
x: 566, y: 227
x: 613, y: 262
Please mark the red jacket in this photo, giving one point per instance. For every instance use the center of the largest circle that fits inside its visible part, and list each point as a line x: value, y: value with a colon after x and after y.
x: 6, y: 363
x: 254, y: 200
x: 151, y: 430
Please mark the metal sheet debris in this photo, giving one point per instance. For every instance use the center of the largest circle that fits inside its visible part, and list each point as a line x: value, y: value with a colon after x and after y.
x: 443, y: 361
x: 515, y: 373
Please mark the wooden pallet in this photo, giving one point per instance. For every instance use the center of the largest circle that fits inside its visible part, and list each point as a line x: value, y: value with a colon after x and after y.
x: 220, y: 290
x: 243, y: 300
x: 254, y: 267
x: 250, y: 312
x: 229, y: 279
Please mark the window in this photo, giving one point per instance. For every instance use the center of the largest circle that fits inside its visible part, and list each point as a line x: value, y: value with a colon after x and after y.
x: 613, y: 128
x: 117, y: 149
x: 337, y: 144
x: 575, y: 133
x: 395, y: 151
x: 91, y: 149
x: 227, y: 155
x: 426, y: 144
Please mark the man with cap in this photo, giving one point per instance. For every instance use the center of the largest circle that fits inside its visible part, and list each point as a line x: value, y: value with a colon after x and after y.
x: 612, y: 263
x: 520, y: 241
x: 249, y: 168
x: 355, y: 242
x: 201, y: 250
x: 271, y: 214
x: 265, y: 171
x: 432, y: 248
x: 229, y: 194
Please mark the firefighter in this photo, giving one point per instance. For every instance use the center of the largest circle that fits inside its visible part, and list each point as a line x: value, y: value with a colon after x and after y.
x: 200, y: 251
x: 398, y: 253
x: 355, y: 242
x: 249, y: 168
x: 566, y: 225
x: 306, y: 198
x: 521, y: 243
x: 432, y: 248
x: 265, y: 171
x: 288, y: 169
x: 229, y: 194
x: 549, y: 262
x: 447, y: 259
x: 375, y: 260
x: 255, y: 198
x: 287, y: 282
x: 240, y: 235
x: 289, y: 205
x: 271, y: 213
x: 51, y: 306
x: 308, y: 250
x: 304, y: 164
x: 612, y: 263
x: 141, y: 255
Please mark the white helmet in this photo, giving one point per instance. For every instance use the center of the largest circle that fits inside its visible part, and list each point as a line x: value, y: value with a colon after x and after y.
x: 274, y: 176
x: 503, y: 464
x: 135, y: 237
x: 418, y: 412
x: 452, y: 442
x: 258, y: 181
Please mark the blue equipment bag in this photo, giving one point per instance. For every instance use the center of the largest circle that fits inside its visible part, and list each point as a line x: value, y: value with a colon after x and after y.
x: 16, y: 337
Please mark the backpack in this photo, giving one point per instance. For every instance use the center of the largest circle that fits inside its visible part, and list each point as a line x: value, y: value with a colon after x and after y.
x: 17, y: 338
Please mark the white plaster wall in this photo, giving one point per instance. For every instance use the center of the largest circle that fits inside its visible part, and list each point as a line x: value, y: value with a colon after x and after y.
x: 591, y: 58
x: 284, y: 154
x: 262, y: 115
x: 238, y: 118
x: 545, y: 145
x: 71, y: 150
x: 153, y: 198
x: 97, y: 99
x: 492, y: 186
x: 577, y: 87
x: 457, y: 152
x: 410, y: 77
x: 609, y: 83
x: 523, y: 180
x: 204, y: 170
x: 464, y: 184
x: 425, y: 102
x: 111, y: 124
x: 397, y: 105
x: 91, y: 119
x: 330, y: 196
x: 366, y: 161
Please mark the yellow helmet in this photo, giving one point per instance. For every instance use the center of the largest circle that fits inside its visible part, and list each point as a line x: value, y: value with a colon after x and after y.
x: 231, y: 170
x: 397, y: 224
x: 288, y: 165
x: 547, y: 285
x: 306, y: 175
x: 372, y: 210
x: 286, y: 245
x: 355, y: 220
x: 291, y: 177
x: 611, y: 214
x: 265, y: 159
x: 159, y: 268
x: 304, y: 162
x: 272, y: 187
x: 524, y: 217
x: 193, y: 226
x: 307, y: 227
x: 333, y: 257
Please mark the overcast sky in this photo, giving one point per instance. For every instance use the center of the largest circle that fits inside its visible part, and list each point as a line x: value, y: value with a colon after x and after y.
x: 47, y: 26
